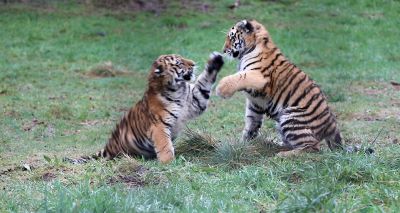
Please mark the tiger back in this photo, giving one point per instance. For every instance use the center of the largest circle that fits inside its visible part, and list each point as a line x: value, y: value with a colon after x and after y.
x: 279, y: 89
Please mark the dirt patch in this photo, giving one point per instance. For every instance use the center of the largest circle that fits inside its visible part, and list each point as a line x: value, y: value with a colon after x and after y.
x: 197, y: 5
x: 106, y: 70
x: 71, y: 132
x: 153, y: 6
x: 381, y: 115
x: 42, y: 6
x: 3, y: 92
x: 91, y: 123
x: 156, y: 7
x: 30, y: 125
x: 12, y: 113
x: 134, y: 178
x: 372, y: 88
x: 130, y: 181
x: 387, y: 107
x: 6, y: 171
x: 48, y: 176
x: 31, y: 163
x: 396, y: 85
x: 373, y: 15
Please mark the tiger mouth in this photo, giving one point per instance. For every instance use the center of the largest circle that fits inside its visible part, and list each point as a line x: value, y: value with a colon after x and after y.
x: 188, y: 76
x: 235, y: 54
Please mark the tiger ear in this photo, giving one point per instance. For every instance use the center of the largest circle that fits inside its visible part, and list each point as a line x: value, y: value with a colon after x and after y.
x: 246, y: 26
x: 158, y: 69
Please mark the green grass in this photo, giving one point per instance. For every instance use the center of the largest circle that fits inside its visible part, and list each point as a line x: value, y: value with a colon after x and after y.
x: 50, y: 105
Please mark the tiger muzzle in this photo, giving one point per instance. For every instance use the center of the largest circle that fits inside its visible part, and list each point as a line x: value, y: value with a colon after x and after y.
x: 188, y: 76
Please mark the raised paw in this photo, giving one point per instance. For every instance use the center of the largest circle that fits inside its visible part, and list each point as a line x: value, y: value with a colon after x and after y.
x: 215, y: 62
x: 225, y: 88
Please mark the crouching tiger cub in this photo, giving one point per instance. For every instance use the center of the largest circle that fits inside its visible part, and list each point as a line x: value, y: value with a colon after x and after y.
x: 276, y: 87
x: 149, y: 128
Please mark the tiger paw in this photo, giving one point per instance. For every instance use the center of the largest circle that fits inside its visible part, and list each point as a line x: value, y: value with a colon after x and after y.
x: 249, y: 135
x: 224, y: 88
x: 166, y: 157
x: 215, y: 62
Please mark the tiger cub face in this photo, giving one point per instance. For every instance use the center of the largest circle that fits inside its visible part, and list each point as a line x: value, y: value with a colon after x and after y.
x: 241, y: 37
x: 172, y: 70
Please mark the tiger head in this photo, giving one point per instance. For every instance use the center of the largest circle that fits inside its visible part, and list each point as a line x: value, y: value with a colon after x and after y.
x: 172, y: 71
x: 242, y: 37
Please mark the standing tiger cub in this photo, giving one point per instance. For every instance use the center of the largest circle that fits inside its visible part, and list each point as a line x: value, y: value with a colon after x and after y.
x: 276, y: 87
x: 149, y: 127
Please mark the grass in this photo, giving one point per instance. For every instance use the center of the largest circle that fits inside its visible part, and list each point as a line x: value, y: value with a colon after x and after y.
x: 69, y: 71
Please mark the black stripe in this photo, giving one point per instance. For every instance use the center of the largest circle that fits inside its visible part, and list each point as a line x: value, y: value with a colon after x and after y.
x: 165, y: 123
x: 305, y: 92
x: 283, y: 68
x: 316, y: 106
x: 249, y: 50
x: 291, y: 78
x: 330, y: 132
x: 205, y: 93
x: 295, y: 128
x: 272, y: 62
x: 252, y: 57
x: 292, y: 128
x: 251, y: 108
x: 294, y: 110
x: 201, y: 83
x: 250, y: 116
x: 172, y: 114
x: 253, y: 62
x: 280, y: 64
x: 323, y: 123
x: 283, y: 71
x: 266, y: 40
x: 295, y: 121
x: 198, y: 103
x: 172, y: 89
x: 294, y: 137
x: 178, y: 102
x: 293, y: 91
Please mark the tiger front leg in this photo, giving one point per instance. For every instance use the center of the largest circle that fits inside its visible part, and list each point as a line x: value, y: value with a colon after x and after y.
x: 163, y: 146
x: 241, y: 81
x: 202, y: 86
x: 253, y: 120
x: 207, y: 78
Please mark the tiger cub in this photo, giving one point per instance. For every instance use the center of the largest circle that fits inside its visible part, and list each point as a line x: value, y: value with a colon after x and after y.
x: 279, y: 89
x: 149, y: 127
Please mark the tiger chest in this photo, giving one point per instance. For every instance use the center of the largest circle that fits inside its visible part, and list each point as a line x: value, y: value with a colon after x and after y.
x: 260, y: 100
x: 176, y: 119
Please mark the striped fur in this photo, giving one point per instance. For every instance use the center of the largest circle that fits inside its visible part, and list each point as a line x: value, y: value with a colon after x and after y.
x: 149, y: 128
x: 279, y: 89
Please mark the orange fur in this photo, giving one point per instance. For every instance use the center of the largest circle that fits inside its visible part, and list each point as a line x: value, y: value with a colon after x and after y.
x: 149, y: 127
x: 276, y: 87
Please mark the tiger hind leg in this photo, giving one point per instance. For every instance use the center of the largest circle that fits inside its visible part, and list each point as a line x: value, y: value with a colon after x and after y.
x: 306, y: 144
x: 296, y: 135
x: 334, y: 141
